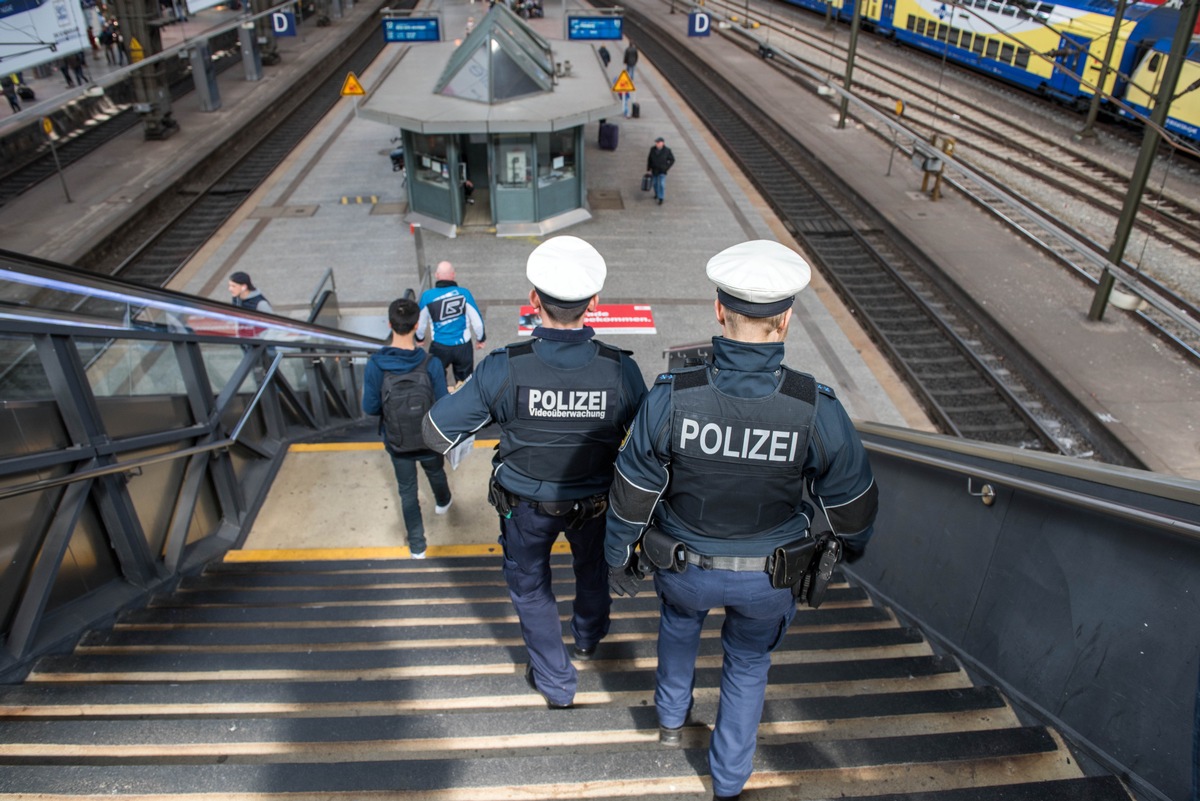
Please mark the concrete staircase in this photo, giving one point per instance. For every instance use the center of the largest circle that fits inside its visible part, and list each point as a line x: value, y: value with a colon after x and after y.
x: 404, y: 680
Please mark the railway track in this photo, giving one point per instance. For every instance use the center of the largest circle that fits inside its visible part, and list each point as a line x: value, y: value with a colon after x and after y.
x: 965, y: 371
x: 1169, y: 220
x: 118, y: 118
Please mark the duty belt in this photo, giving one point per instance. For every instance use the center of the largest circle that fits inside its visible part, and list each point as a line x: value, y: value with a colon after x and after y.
x: 738, y: 564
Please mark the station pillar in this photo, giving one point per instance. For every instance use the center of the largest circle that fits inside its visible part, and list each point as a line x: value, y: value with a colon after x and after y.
x: 251, y: 56
x: 141, y: 21
x: 265, y: 33
x: 204, y: 76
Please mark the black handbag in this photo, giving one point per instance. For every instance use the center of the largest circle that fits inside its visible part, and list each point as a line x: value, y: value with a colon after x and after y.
x: 646, y: 181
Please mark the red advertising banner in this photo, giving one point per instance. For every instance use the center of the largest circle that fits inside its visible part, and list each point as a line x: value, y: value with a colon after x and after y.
x: 614, y: 319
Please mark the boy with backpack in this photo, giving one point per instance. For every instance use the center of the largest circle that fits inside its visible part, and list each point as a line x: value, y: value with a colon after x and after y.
x: 400, y: 384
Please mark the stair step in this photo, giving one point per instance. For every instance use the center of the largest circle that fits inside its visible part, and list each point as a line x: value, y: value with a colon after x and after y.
x: 479, y: 732
x: 545, y: 775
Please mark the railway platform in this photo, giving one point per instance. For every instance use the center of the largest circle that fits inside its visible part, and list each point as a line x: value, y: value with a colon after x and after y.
x: 338, y: 188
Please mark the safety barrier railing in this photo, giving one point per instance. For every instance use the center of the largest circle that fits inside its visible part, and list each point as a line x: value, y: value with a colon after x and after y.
x: 139, y: 431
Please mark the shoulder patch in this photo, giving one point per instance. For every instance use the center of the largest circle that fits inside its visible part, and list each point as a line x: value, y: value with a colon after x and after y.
x: 824, y: 390
x: 665, y: 378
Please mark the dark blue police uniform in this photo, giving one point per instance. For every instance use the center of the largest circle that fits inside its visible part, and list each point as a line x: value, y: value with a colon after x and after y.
x: 717, y: 459
x: 563, y: 401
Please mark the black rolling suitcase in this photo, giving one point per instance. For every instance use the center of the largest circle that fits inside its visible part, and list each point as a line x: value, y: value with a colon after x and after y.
x: 26, y: 92
x: 608, y: 135
x: 637, y: 110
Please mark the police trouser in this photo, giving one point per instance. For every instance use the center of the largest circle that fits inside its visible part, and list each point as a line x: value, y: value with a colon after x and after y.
x: 756, y: 618
x: 526, y: 538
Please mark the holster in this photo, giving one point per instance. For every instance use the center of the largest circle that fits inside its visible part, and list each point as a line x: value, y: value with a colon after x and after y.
x: 812, y: 588
x: 789, y: 562
x: 663, y: 552
x: 501, y: 499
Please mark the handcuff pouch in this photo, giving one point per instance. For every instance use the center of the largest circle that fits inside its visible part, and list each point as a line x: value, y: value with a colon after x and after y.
x: 663, y: 552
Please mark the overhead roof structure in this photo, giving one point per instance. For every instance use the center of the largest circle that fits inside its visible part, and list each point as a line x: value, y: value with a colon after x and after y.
x: 501, y: 59
x: 503, y: 78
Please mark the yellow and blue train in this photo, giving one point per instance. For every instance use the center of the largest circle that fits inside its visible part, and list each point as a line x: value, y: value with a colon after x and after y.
x: 1054, y: 48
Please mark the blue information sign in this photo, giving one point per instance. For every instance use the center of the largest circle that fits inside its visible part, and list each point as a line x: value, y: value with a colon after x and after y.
x: 595, y: 27
x: 412, y: 29
x: 283, y: 23
x: 699, y: 24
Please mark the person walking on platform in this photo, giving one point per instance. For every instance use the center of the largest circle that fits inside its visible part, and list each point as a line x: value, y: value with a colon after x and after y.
x: 631, y: 59
x: 10, y: 94
x: 246, y: 295
x: 106, y: 41
x: 452, y: 314
x: 400, y: 384
x: 64, y: 66
x: 563, y: 400
x: 78, y: 65
x: 702, y: 437
x: 658, y: 164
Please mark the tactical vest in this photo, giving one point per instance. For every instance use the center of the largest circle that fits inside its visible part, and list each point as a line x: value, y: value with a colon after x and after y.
x: 250, y: 303
x: 565, y: 429
x: 737, y: 463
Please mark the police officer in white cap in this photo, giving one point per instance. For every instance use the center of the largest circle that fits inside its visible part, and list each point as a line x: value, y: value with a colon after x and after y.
x: 563, y: 401
x: 711, y: 480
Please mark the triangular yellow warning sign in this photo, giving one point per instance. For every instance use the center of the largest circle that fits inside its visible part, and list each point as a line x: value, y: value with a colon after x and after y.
x: 352, y: 86
x: 136, y: 53
x: 623, y: 84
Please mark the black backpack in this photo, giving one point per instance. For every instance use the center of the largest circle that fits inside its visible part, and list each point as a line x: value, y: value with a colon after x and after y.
x: 406, y: 398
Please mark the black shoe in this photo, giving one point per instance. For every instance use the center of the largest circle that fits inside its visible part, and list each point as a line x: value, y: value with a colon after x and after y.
x: 726, y: 797
x: 584, y: 654
x: 671, y: 738
x: 660, y: 201
x: 533, y: 686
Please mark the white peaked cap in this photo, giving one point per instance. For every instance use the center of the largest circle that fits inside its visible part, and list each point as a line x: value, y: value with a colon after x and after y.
x: 566, y: 268
x: 759, y: 278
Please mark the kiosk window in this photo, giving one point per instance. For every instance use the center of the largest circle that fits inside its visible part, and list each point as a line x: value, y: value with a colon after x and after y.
x: 555, y: 156
x: 428, y: 164
x: 515, y: 163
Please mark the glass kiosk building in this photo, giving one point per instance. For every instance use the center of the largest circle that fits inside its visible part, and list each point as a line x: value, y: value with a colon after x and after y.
x: 499, y: 121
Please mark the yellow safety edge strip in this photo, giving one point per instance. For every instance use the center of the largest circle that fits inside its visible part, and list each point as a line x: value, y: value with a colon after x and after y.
x: 336, y: 554
x: 319, y: 447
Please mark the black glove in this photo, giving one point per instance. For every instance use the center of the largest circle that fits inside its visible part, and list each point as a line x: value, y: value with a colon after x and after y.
x: 624, y: 580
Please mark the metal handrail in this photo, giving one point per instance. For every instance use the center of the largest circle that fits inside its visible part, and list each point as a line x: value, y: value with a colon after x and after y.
x: 125, y: 467
x: 1166, y: 522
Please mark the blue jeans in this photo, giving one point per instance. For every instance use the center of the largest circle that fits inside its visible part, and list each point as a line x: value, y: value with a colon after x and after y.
x: 405, y: 466
x: 660, y: 185
x: 526, y: 538
x: 756, y: 618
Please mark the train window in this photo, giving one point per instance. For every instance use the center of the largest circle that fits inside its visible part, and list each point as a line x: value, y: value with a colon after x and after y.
x: 1153, y: 62
x: 978, y: 44
x: 1008, y: 11
x: 965, y: 42
x: 1023, y: 14
x: 954, y: 34
x: 981, y: 3
x: 993, y: 47
x: 994, y: 8
x: 1022, y: 59
x: 914, y: 24
x: 1006, y: 53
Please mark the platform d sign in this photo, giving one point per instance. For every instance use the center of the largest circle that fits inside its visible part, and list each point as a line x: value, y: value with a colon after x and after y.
x: 699, y: 23
x: 283, y: 23
x: 352, y: 86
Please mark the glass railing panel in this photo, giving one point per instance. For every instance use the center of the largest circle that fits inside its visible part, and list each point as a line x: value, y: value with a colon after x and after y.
x: 22, y: 376
x: 221, y: 362
x: 131, y: 367
x: 32, y: 291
